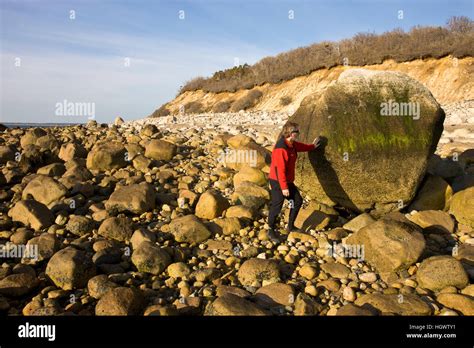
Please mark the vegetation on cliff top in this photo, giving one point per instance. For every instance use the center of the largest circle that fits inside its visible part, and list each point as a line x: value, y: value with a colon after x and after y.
x: 456, y: 38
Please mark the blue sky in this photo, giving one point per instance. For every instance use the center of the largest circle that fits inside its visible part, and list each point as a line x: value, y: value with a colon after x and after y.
x: 48, y: 57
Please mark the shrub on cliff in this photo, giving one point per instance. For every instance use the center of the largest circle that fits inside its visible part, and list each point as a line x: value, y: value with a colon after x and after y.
x: 194, y: 107
x: 362, y: 49
x: 161, y: 111
x: 247, y: 101
x: 285, y: 100
x: 222, y: 106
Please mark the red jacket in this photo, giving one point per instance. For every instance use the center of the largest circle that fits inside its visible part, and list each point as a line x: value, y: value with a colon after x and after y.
x: 283, y: 163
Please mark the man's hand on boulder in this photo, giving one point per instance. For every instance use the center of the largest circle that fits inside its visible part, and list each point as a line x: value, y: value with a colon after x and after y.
x: 317, y: 142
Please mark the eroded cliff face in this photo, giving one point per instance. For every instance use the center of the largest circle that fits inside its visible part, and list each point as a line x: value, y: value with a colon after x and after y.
x: 449, y: 79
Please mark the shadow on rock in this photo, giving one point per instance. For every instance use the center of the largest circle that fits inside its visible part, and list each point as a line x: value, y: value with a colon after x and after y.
x: 327, y: 176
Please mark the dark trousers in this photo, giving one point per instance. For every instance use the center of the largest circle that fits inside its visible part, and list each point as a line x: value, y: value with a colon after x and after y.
x: 277, y: 200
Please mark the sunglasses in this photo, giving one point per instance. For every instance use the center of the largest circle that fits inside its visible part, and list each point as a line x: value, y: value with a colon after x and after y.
x: 295, y: 131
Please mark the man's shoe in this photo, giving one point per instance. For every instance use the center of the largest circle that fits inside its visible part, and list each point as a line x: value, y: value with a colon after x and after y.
x: 273, y: 236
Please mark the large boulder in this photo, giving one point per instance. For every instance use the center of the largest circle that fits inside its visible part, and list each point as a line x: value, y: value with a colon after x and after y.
x: 233, y: 305
x: 32, y: 214
x: 149, y: 130
x: 40, y: 248
x: 7, y: 153
x: 462, y: 206
x: 390, y: 245
x: 18, y: 284
x: 118, y: 121
x: 149, y: 258
x: 189, y: 229
x: 433, y: 221
x: 48, y: 143
x: 141, y: 163
x: 141, y: 235
x: 226, y: 226
x: 120, y: 301
x: 31, y: 137
x: 461, y: 303
x: 406, y: 304
x: 244, y: 151
x: 99, y: 285
x: 160, y: 150
x: 439, y: 272
x: 70, y: 269
x: 465, y: 254
x: 211, y: 205
x: 359, y: 222
x: 135, y: 198
x: 107, y: 156
x: 45, y: 190
x: 247, y: 173
x: 241, y: 211
x: 255, y: 271
x: 251, y: 194
x: 336, y: 270
x: 80, y: 225
x: 310, y: 218
x: 178, y: 270
x: 434, y: 194
x: 117, y: 228
x: 274, y: 295
x: 75, y: 174
x: 32, y: 157
x: 368, y: 160
x: 305, y: 305
x: 352, y: 310
x: 53, y: 169
x: 69, y: 151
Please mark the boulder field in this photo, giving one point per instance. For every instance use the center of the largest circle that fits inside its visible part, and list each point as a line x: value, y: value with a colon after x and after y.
x: 168, y: 218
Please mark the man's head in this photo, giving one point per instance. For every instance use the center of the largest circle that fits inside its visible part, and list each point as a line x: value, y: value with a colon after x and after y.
x: 291, y: 130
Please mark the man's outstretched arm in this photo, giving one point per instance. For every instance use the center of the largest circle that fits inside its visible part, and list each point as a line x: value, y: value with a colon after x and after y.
x: 301, y: 147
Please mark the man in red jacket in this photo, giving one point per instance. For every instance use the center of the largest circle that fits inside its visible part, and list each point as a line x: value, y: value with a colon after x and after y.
x: 282, y: 175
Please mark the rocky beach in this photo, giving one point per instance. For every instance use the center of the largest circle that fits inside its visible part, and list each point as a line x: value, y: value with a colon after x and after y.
x: 148, y: 217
